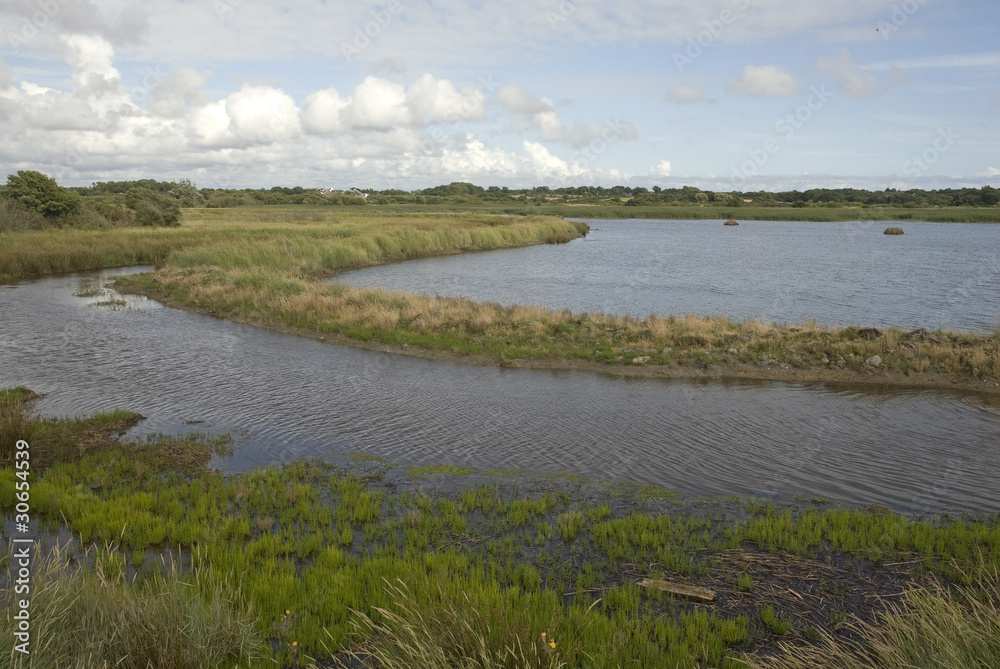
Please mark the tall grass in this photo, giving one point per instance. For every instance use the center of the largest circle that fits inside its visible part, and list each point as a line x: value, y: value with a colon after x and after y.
x: 932, y: 628
x: 304, y: 243
x: 17, y: 421
x: 95, y: 617
x: 445, y: 632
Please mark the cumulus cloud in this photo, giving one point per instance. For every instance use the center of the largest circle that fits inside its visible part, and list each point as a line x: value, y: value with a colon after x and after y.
x: 528, y: 111
x: 687, y: 95
x: 379, y: 104
x: 663, y: 168
x: 853, y: 79
x: 765, y: 81
x: 171, y: 96
x: 5, y: 80
x: 170, y: 127
x: 992, y: 172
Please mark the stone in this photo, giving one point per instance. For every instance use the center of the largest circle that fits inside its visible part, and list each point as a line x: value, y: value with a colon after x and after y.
x: 733, y: 351
x: 640, y: 360
x: 731, y: 222
x: 667, y: 350
x: 893, y: 231
x: 874, y: 361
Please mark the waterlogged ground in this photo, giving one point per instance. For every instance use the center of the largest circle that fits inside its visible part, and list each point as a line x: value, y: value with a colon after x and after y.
x: 576, y: 551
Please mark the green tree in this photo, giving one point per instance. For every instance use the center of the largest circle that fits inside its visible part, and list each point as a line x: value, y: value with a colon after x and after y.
x: 41, y: 193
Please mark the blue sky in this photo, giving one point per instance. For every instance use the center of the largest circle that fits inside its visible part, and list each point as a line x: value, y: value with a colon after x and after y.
x: 720, y: 94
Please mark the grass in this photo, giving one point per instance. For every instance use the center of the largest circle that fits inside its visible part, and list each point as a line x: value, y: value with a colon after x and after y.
x: 94, y: 615
x: 933, y: 626
x: 386, y: 567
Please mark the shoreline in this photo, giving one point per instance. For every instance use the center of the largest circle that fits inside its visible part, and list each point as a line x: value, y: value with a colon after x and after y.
x: 884, y: 379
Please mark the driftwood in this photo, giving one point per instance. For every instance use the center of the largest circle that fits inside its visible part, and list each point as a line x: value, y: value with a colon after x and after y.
x: 701, y: 594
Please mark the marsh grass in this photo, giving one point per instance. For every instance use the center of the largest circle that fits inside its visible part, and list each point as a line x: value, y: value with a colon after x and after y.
x: 934, y: 626
x: 17, y: 420
x: 94, y: 616
x: 446, y: 632
x: 318, y: 547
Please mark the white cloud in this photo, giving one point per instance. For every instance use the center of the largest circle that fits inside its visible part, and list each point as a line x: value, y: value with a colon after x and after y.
x: 437, y: 99
x: 765, y: 81
x: 853, y: 78
x: 547, y: 166
x: 173, y: 95
x: 5, y: 80
x: 528, y: 111
x: 687, y: 95
x: 262, y: 114
x: 663, y: 168
x: 992, y: 172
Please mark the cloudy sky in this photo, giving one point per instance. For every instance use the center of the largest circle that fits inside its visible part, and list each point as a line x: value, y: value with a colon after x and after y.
x: 721, y: 94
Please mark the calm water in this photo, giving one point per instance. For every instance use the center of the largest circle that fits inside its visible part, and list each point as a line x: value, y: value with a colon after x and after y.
x: 935, y: 276
x: 297, y: 397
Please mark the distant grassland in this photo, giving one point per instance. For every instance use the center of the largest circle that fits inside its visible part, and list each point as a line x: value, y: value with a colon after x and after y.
x: 306, y: 242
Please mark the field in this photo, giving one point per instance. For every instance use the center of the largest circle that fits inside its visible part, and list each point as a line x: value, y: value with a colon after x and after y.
x: 324, y: 564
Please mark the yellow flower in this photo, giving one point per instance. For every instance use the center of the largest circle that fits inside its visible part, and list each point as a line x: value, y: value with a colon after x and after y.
x: 543, y: 634
x: 295, y: 643
x: 552, y: 644
x: 287, y: 612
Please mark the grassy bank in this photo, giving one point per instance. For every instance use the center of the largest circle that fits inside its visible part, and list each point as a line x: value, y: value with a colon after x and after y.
x: 388, y: 563
x: 305, y: 242
x: 664, y: 345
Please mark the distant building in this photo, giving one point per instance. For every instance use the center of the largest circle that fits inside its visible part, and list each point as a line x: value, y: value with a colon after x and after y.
x: 350, y: 191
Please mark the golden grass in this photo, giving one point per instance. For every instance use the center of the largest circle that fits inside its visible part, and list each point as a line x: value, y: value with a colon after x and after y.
x: 932, y: 628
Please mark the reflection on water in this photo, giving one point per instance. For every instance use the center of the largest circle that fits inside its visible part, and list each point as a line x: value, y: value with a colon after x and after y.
x: 298, y: 397
x: 937, y: 275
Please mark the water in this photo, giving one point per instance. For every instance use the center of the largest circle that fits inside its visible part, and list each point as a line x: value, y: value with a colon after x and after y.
x: 298, y: 397
x: 935, y: 276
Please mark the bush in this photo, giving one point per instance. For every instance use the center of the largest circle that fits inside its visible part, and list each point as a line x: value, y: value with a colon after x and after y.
x: 15, y: 217
x: 41, y: 193
x: 153, y: 209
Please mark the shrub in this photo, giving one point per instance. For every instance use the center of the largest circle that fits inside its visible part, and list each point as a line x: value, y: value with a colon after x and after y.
x: 15, y: 217
x: 153, y: 209
x: 41, y: 193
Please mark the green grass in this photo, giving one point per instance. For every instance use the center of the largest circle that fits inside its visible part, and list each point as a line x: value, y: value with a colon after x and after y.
x: 387, y: 565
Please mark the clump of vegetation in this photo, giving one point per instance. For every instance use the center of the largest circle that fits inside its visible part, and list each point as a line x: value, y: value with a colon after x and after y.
x: 893, y: 231
x: 17, y: 421
x: 34, y: 201
x: 933, y: 626
x: 94, y: 615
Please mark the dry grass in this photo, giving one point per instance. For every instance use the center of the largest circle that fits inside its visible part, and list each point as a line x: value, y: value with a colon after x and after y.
x: 85, y: 617
x: 932, y: 628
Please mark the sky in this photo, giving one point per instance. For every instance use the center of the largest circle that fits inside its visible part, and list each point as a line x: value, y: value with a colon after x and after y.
x: 720, y: 94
